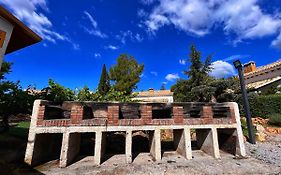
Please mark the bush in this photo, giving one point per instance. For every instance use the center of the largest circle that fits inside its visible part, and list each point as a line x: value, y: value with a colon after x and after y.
x: 275, y: 119
x: 263, y: 105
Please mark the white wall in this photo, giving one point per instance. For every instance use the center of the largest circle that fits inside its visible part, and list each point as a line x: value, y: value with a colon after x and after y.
x: 165, y: 99
x: 8, y: 28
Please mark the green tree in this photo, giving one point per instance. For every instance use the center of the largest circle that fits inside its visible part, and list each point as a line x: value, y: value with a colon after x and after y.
x: 13, y: 99
x: 126, y: 74
x: 57, y: 93
x: 5, y: 69
x: 85, y: 94
x: 195, y: 88
x: 198, y: 71
x: 104, y: 84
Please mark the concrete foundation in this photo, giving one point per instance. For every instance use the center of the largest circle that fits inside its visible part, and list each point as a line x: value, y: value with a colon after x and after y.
x: 211, y: 136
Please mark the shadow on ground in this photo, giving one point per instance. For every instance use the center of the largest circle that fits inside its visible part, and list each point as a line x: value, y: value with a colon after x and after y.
x: 12, y: 149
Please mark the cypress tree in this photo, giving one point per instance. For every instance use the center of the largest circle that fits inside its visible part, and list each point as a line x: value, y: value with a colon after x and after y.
x: 104, y: 84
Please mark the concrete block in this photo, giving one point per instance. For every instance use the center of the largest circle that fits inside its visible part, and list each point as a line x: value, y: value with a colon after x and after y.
x: 128, y: 150
x: 155, y: 144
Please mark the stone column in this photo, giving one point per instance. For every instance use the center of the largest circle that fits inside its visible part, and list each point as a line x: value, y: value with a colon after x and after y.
x: 70, y: 148
x: 128, y: 146
x: 32, y: 131
x: 100, y: 145
x: 155, y: 144
x: 240, y: 147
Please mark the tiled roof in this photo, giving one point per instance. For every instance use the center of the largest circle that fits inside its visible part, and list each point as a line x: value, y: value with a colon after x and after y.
x: 259, y: 84
x: 264, y: 68
x: 153, y: 93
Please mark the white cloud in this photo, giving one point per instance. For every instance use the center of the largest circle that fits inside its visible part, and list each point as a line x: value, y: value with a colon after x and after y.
x: 128, y: 35
x: 97, y: 55
x: 277, y: 42
x: 222, y: 69
x: 243, y: 18
x: 154, y: 73
x: 112, y: 47
x: 172, y: 77
x: 27, y: 11
x: 235, y: 57
x: 147, y: 2
x: 76, y: 46
x: 94, y: 30
x: 182, y: 61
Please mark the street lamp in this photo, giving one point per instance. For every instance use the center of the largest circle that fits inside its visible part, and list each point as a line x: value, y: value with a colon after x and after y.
x: 237, y: 64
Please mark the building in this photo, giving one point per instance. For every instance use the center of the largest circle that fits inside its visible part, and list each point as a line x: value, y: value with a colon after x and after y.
x: 14, y: 35
x: 165, y: 96
x: 261, y: 78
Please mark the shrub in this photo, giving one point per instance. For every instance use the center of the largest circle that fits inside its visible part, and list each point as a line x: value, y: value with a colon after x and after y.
x: 263, y: 105
x: 275, y: 119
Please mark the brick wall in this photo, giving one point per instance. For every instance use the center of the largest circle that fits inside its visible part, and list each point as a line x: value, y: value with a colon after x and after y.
x: 113, y: 113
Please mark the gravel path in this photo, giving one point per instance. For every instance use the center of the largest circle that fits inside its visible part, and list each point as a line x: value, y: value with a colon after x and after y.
x: 264, y: 158
x: 268, y: 152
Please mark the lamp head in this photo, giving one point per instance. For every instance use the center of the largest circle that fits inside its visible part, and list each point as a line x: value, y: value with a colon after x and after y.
x: 237, y: 64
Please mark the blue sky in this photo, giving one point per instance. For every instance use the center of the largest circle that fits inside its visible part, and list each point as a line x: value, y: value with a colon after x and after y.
x: 80, y: 36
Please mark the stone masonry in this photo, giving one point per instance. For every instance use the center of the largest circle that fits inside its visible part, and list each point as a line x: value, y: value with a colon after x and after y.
x: 217, y: 126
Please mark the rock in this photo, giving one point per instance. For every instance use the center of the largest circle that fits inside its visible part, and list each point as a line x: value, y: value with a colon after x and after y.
x: 260, y: 128
x: 260, y: 137
x: 273, y: 130
x: 259, y: 120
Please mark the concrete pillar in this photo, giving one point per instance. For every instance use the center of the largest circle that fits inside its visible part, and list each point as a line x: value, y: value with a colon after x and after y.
x: 100, y: 145
x: 155, y: 144
x: 70, y: 148
x: 182, y: 142
x: 128, y: 150
x: 32, y: 132
x: 207, y: 141
x: 6, y: 29
x: 240, y: 148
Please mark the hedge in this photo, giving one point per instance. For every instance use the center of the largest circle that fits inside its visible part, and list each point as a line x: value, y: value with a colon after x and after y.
x: 262, y: 105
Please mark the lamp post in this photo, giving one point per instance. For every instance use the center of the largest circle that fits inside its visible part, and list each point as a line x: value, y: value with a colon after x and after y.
x: 237, y: 64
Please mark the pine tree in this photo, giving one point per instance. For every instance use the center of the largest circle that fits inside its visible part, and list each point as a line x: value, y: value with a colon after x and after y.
x: 198, y: 71
x: 104, y: 84
x: 126, y: 74
x: 194, y: 87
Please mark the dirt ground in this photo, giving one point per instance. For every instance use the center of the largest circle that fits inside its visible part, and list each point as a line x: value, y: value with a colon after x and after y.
x: 263, y: 158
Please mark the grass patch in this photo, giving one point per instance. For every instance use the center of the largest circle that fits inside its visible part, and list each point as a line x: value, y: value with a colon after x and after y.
x: 20, y: 130
x: 275, y: 119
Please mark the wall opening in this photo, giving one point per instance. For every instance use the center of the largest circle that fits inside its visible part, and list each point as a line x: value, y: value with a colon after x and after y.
x: 129, y: 111
x: 192, y: 110
x: 47, y: 147
x: 53, y: 112
x: 140, y: 143
x: 87, y: 113
x: 220, y: 111
x: 201, y: 140
x: 115, y: 144
x: 227, y: 140
x: 172, y: 141
x: 161, y: 111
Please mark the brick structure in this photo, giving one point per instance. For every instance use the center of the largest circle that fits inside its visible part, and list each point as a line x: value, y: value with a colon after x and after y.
x: 70, y: 120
